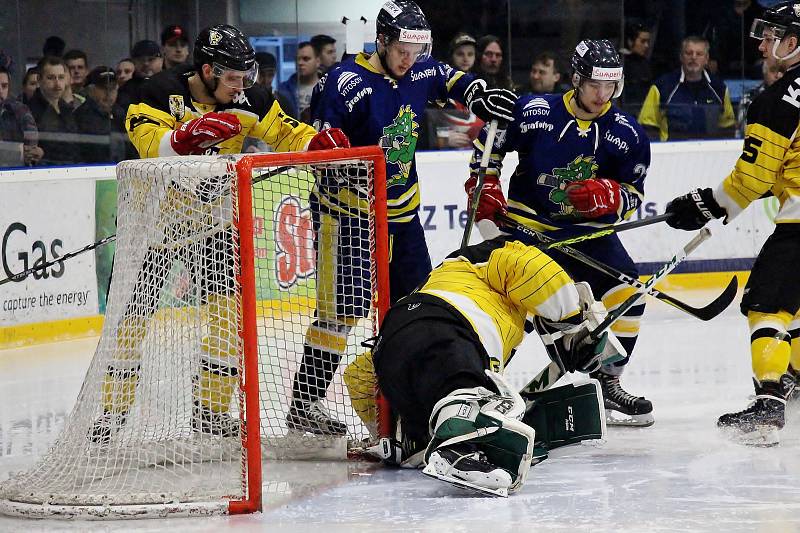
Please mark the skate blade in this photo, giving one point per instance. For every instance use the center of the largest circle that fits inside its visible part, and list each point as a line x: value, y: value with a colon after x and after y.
x: 615, y: 418
x: 430, y: 471
x: 763, y: 437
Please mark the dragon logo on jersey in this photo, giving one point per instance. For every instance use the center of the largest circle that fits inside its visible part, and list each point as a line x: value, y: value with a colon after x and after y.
x: 581, y: 168
x: 399, y: 142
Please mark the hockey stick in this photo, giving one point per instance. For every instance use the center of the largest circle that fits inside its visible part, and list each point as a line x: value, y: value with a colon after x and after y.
x: 552, y: 372
x: 611, y: 230
x: 110, y: 238
x: 476, y: 194
x: 69, y: 255
x: 717, y: 306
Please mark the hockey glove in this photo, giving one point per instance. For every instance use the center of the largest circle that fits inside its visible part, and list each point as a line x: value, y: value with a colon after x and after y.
x: 490, y: 104
x: 329, y: 138
x: 491, y: 202
x: 594, y: 198
x: 693, y: 210
x: 195, y: 136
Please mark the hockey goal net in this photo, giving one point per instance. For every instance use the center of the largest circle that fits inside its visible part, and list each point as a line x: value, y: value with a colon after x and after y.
x: 217, y: 283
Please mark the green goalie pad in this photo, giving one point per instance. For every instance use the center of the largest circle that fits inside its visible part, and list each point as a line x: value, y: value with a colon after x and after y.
x: 565, y: 415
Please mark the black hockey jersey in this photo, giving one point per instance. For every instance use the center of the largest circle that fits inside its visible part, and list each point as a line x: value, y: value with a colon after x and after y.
x: 770, y: 160
x: 166, y: 104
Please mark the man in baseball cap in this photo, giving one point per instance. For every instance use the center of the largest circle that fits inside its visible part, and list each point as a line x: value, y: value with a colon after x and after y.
x: 174, y: 46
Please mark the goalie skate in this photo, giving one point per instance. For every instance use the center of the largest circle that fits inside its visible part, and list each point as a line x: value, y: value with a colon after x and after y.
x: 623, y: 408
x: 465, y: 468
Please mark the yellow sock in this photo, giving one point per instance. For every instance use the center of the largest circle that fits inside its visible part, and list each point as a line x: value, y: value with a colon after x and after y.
x: 770, y: 347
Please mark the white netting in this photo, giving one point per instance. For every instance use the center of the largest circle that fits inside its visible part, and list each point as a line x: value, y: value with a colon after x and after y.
x: 157, y: 423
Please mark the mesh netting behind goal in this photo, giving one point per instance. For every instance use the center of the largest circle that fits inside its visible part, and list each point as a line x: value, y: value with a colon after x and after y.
x: 228, y: 327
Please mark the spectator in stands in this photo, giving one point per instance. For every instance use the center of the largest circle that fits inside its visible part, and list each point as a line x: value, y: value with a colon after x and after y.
x: 325, y: 48
x: 53, y: 46
x: 455, y: 126
x: 174, y: 46
x: 78, y: 65
x: 30, y: 82
x: 297, y: 90
x: 489, y: 65
x: 772, y: 71
x: 266, y: 69
x: 636, y: 65
x: 689, y: 102
x: 72, y: 99
x: 17, y: 124
x: 53, y: 115
x: 727, y: 29
x: 147, y: 61
x: 124, y: 72
x: 462, y: 52
x: 545, y: 75
x: 100, y: 116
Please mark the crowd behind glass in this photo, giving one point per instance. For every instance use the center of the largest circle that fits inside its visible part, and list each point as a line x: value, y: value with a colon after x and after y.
x: 65, y: 110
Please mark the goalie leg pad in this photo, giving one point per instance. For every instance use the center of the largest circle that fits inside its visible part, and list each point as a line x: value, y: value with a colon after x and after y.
x: 566, y: 415
x: 474, y: 436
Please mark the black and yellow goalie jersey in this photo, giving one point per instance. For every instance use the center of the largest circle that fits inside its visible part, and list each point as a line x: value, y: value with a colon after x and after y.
x: 496, y: 285
x: 770, y: 160
x: 166, y: 104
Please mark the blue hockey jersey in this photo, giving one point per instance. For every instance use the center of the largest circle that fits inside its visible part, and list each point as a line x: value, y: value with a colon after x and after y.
x: 556, y: 148
x: 371, y: 109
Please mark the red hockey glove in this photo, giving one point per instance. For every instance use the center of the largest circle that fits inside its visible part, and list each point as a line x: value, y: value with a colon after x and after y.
x: 594, y: 198
x: 491, y: 203
x: 329, y: 138
x: 212, y: 128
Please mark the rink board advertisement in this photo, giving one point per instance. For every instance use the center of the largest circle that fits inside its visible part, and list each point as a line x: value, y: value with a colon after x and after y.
x: 44, y: 221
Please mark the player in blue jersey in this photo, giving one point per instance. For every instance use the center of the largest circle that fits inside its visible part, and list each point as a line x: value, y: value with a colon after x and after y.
x: 376, y: 99
x: 582, y: 162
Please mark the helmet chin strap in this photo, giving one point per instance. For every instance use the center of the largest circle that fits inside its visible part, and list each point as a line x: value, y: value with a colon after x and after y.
x: 790, y: 55
x: 577, y: 96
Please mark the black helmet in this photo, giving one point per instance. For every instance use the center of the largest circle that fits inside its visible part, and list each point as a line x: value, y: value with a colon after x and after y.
x: 404, y: 21
x: 596, y: 59
x: 226, y: 46
x: 777, y: 21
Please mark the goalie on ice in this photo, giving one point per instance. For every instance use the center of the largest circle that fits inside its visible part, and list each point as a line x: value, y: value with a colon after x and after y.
x: 438, y: 356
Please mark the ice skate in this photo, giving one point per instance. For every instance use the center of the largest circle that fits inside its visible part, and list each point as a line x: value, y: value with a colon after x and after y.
x: 463, y: 466
x: 758, y: 425
x: 623, y: 408
x: 204, y: 420
x: 312, y: 417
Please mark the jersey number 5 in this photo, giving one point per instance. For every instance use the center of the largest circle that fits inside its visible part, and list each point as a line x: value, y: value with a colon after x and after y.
x: 750, y: 150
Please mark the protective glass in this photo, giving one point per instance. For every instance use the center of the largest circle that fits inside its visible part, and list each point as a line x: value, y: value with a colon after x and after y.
x: 761, y: 29
x: 235, y: 79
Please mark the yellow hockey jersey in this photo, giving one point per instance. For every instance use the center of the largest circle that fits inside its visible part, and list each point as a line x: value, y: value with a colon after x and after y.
x: 497, y: 284
x: 166, y: 104
x: 770, y: 160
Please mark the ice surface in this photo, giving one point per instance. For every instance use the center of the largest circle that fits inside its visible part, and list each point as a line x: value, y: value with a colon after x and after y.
x: 678, y: 475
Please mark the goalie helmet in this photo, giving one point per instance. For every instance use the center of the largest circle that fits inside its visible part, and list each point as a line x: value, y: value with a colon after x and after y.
x: 226, y: 48
x: 404, y: 21
x: 596, y: 59
x: 777, y: 22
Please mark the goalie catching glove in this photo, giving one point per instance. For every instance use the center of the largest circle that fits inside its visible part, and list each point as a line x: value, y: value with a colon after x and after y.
x: 694, y: 210
x: 569, y: 345
x: 490, y: 104
x: 491, y: 203
x: 594, y: 197
x: 197, y: 135
x: 478, y: 441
